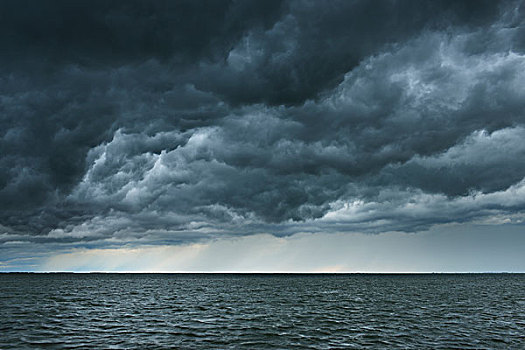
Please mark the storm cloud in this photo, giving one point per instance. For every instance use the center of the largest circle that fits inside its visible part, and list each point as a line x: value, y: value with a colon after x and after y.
x: 177, y: 121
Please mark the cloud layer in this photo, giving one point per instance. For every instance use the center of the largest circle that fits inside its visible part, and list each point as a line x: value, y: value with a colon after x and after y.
x: 167, y: 122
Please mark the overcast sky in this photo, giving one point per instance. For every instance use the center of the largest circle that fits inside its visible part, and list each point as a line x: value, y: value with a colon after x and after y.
x: 253, y: 135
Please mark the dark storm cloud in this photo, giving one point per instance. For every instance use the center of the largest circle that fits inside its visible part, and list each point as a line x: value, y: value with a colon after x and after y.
x: 116, y: 32
x: 169, y: 121
x: 315, y: 43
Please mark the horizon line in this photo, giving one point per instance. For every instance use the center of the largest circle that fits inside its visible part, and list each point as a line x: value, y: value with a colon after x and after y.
x: 268, y: 272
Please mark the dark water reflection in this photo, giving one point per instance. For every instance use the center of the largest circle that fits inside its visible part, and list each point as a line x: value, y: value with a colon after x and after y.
x: 262, y: 311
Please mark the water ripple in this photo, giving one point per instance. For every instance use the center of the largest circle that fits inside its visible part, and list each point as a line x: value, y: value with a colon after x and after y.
x: 121, y: 311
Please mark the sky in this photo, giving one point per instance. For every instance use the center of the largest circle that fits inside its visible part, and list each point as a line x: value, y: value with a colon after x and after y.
x: 305, y: 136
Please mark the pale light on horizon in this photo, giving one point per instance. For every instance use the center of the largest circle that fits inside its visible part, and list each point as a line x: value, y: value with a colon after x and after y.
x: 449, y: 248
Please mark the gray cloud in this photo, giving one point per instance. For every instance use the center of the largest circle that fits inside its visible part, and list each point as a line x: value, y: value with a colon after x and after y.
x: 119, y: 126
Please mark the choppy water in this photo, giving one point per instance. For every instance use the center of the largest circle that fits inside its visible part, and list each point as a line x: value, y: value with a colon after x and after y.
x: 261, y: 311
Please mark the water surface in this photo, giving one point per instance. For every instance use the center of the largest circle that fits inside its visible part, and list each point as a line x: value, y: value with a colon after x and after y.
x: 262, y: 311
